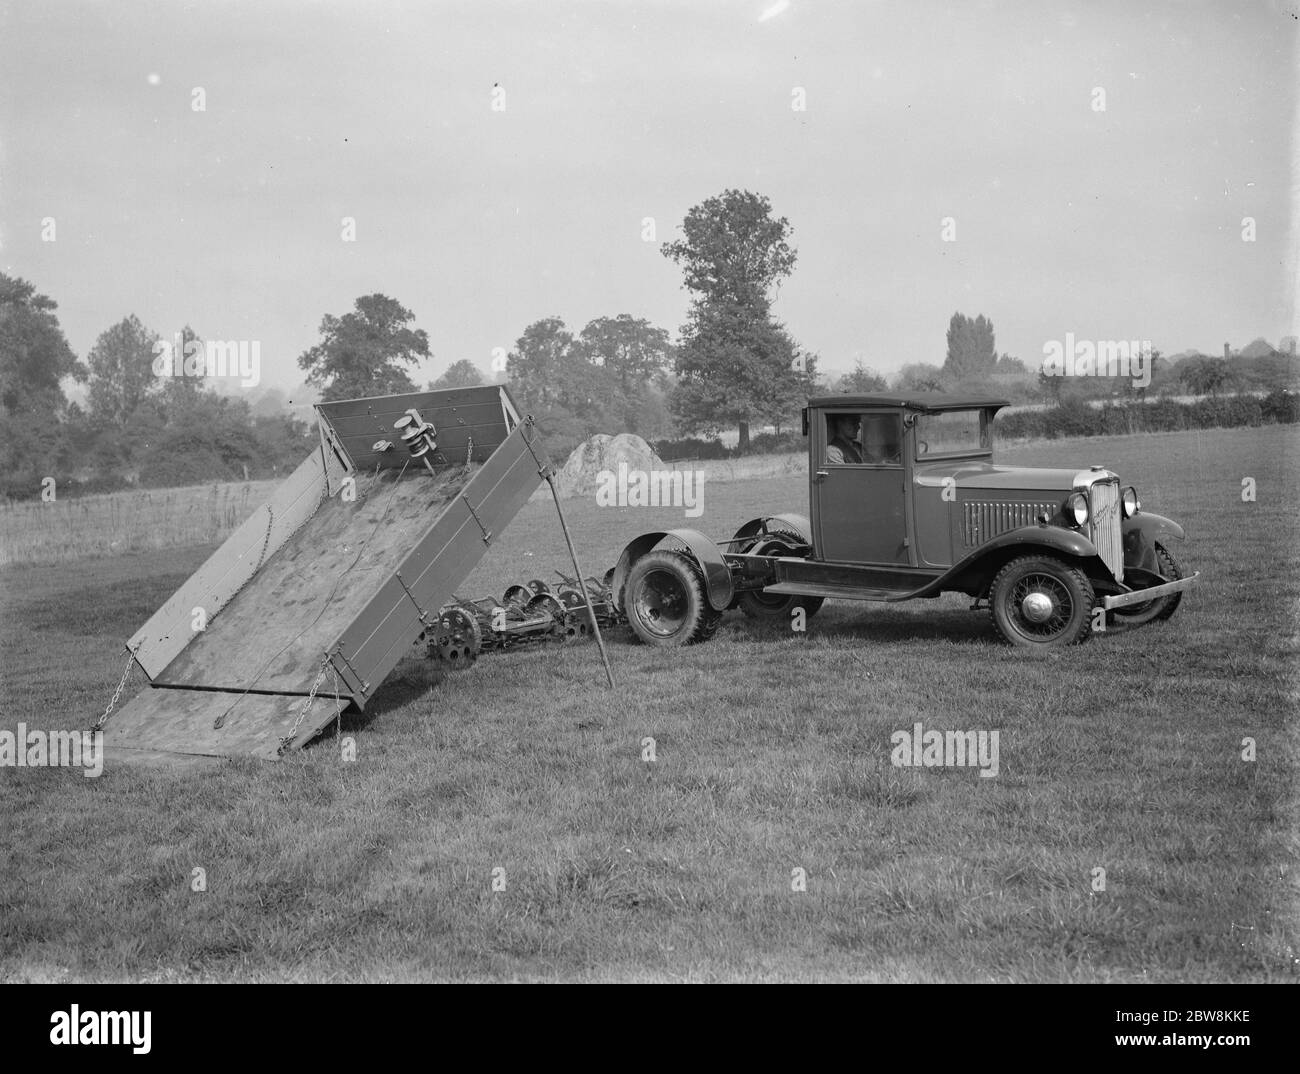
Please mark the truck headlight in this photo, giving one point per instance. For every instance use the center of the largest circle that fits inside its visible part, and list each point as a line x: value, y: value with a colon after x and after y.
x: 1129, y: 502
x: 1076, y: 509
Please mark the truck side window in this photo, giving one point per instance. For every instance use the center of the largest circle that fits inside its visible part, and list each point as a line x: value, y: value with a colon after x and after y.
x: 843, y: 439
x: 864, y: 439
x: 882, y: 439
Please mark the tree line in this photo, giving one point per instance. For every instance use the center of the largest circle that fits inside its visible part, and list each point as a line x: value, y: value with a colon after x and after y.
x: 734, y: 365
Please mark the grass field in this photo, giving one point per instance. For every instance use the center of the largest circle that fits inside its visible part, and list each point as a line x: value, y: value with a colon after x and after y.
x: 115, y: 523
x: 772, y: 753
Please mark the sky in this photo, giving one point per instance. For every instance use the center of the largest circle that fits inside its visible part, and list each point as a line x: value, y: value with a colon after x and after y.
x: 1122, y: 223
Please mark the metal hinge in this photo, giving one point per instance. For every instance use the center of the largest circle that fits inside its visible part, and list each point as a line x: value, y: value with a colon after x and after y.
x: 487, y: 533
x: 365, y: 686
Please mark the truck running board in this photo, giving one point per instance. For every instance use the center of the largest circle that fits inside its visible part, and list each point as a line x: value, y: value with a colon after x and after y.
x: 847, y: 581
x: 838, y: 592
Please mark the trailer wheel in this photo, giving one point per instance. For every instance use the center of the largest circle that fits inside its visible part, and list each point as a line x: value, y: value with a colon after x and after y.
x: 1039, y: 602
x: 664, y: 600
x: 776, y: 606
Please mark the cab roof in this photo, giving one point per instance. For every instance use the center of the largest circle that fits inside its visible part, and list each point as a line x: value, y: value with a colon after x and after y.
x: 927, y: 402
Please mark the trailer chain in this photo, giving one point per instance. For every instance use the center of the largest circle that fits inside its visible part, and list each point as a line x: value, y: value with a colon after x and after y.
x: 287, y: 740
x: 266, y: 541
x: 98, y: 725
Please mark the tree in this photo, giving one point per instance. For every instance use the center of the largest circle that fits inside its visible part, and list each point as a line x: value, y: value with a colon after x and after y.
x: 972, y: 353
x: 1007, y: 364
x: 34, y: 358
x: 361, y: 352
x: 635, y: 356
x: 1050, y: 386
x: 121, y: 371
x: 919, y: 377
x: 734, y: 370
x: 538, y: 367
x: 862, y: 381
x: 553, y: 380
x: 1139, y: 391
x: 184, y: 361
x: 34, y: 355
x: 1204, y: 376
x: 735, y: 364
x: 460, y: 374
x: 733, y: 250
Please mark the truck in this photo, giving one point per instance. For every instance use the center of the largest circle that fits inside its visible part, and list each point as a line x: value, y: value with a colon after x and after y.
x: 906, y: 502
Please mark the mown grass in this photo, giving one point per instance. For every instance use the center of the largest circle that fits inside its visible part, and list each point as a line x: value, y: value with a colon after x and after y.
x: 772, y: 753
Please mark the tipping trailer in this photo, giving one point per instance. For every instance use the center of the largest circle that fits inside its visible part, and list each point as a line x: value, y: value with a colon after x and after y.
x: 355, y: 558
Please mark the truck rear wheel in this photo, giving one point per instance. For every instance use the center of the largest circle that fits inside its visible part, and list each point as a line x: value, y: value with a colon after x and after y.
x: 776, y: 606
x: 665, y: 601
x: 772, y: 607
x: 1039, y: 602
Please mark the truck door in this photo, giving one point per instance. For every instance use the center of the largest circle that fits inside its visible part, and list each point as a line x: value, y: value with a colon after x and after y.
x: 858, y: 488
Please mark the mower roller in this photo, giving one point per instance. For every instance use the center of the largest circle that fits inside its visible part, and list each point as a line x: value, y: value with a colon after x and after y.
x: 525, y: 614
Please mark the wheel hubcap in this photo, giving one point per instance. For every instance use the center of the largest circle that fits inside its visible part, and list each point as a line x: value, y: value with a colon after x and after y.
x: 1036, y: 607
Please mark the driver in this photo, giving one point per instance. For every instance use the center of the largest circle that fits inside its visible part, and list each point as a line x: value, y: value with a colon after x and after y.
x: 843, y: 446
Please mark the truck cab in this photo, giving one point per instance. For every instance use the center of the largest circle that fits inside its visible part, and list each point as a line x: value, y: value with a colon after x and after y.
x: 881, y: 499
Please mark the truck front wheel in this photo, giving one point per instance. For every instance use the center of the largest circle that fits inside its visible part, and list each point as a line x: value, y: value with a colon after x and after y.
x: 1161, y: 607
x: 1038, y: 602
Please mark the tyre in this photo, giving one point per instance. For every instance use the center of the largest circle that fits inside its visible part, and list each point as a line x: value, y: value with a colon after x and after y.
x: 664, y: 600
x: 1039, y: 602
x: 1161, y: 607
x: 776, y: 606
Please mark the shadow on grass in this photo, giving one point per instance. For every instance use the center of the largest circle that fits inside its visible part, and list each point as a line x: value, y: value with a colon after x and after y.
x: 845, y: 625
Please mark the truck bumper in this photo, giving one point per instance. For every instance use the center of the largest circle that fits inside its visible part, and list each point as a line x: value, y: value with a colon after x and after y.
x: 1141, y: 596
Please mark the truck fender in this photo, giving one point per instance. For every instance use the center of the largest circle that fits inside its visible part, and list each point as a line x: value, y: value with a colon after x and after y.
x: 1028, y: 539
x: 788, y: 523
x: 1140, y: 534
x: 717, y: 576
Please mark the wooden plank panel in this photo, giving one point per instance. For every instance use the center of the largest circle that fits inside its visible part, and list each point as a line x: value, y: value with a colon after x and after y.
x: 273, y: 635
x: 451, y: 442
x: 183, y: 721
x: 115, y: 756
x: 396, y: 404
x: 380, y: 422
x: 439, y: 563
x: 169, y: 630
x: 360, y: 423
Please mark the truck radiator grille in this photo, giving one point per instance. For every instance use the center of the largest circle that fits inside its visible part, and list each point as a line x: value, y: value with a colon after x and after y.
x: 984, y: 521
x: 1104, y: 527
